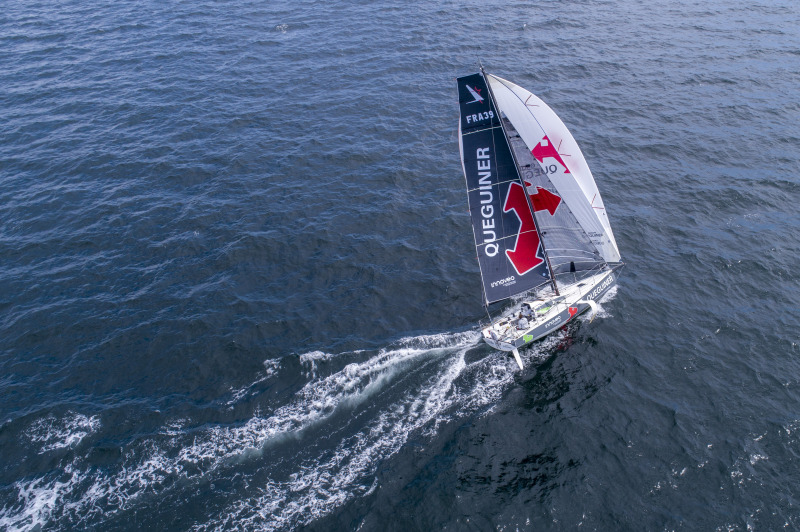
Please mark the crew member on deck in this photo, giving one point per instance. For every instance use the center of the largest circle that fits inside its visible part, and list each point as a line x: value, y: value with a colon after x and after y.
x: 522, y: 324
x: 527, y: 311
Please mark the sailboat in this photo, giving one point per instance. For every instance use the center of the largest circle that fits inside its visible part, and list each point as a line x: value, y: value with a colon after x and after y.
x: 541, y: 229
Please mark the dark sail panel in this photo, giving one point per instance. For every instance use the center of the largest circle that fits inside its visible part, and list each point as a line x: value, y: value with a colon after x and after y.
x: 509, y: 248
x: 477, y: 109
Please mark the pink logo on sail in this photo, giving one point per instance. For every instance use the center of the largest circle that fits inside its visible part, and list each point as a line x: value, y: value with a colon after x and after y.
x: 544, y: 200
x: 544, y: 149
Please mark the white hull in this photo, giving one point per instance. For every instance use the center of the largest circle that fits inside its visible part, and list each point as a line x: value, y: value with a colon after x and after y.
x: 550, y: 312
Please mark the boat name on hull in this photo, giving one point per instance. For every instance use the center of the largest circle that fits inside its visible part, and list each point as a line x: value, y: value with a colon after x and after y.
x: 601, y: 287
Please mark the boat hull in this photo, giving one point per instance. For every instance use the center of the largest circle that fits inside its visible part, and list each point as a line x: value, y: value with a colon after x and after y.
x: 574, y: 304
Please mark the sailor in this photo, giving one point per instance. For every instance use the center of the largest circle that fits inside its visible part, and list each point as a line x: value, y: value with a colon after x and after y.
x: 526, y: 311
x: 522, y: 324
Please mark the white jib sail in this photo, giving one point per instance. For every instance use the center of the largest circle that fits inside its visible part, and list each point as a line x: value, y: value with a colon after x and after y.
x: 554, y: 147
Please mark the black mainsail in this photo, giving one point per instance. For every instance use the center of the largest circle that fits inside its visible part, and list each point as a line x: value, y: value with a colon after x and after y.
x: 510, y: 252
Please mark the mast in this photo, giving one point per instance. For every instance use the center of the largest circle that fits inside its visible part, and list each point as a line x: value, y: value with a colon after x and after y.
x: 527, y: 196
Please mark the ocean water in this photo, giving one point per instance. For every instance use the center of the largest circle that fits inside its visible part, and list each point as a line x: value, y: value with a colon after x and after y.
x: 238, y: 287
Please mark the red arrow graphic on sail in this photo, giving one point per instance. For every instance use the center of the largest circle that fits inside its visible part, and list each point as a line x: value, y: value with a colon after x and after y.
x: 544, y: 149
x: 526, y: 254
x: 544, y: 200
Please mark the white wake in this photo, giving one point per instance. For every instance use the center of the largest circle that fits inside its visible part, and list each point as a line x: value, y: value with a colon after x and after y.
x: 447, y: 387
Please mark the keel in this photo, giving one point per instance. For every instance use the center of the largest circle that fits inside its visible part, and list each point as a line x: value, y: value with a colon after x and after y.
x: 593, y: 305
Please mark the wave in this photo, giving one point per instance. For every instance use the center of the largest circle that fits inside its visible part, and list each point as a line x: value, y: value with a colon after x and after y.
x: 53, y: 433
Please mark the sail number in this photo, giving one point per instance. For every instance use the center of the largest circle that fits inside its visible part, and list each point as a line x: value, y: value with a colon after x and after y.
x: 550, y: 169
x: 477, y: 117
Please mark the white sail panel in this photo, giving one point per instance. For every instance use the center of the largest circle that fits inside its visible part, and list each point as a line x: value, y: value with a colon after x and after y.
x: 553, y: 146
x: 569, y: 248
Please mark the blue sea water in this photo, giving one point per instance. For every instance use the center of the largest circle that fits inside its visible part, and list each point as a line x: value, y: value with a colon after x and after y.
x: 238, y: 287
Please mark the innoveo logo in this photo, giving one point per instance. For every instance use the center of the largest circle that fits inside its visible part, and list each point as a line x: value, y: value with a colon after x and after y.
x: 476, y: 94
x: 511, y: 279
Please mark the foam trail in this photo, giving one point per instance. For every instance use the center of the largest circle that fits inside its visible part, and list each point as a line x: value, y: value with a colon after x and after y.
x: 322, y: 480
x: 321, y: 486
x: 271, y: 367
x: 84, y: 495
x: 54, y: 433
